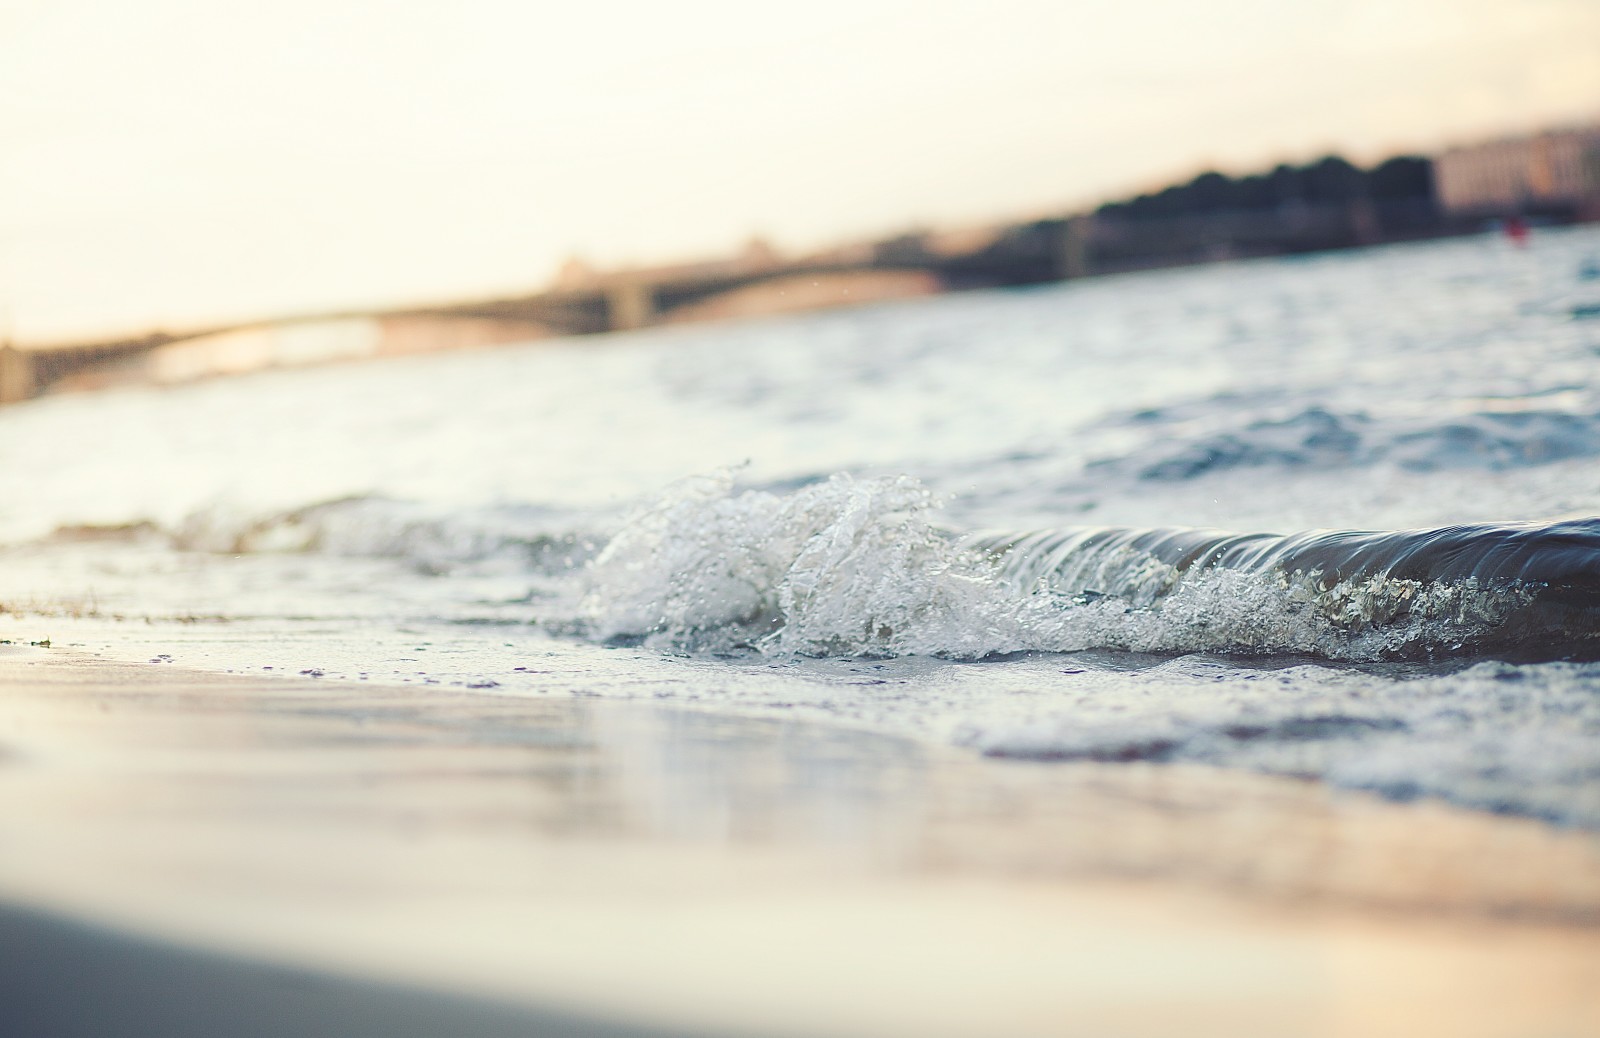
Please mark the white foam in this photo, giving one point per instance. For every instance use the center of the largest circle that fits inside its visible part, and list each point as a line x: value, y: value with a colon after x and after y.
x: 860, y: 567
x: 845, y: 567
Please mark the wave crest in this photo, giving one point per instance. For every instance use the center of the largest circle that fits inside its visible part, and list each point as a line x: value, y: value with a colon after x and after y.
x: 845, y: 567
x: 1527, y: 591
x: 861, y: 567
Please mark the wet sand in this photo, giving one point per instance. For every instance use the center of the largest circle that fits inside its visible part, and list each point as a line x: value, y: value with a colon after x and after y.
x: 203, y: 851
x: 63, y: 978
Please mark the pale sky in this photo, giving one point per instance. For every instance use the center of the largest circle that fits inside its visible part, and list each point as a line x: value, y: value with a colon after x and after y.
x: 172, y: 162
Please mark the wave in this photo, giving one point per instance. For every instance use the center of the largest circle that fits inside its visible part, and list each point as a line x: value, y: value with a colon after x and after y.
x: 1317, y: 438
x: 842, y: 567
x: 861, y: 567
x: 851, y: 566
x: 1524, y: 591
x: 429, y: 539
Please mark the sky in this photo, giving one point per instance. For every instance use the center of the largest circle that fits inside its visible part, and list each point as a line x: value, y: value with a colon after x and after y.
x: 172, y: 163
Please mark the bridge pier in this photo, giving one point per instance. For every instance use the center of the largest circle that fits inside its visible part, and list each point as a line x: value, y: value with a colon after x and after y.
x: 630, y: 304
x: 17, y: 378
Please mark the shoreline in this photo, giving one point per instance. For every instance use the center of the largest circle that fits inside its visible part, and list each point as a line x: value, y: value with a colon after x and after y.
x: 692, y: 871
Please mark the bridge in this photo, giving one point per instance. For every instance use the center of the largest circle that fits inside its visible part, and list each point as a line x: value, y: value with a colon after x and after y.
x: 616, y: 301
x: 26, y: 373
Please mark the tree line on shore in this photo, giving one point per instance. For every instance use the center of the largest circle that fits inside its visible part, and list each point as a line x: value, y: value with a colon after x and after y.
x: 1329, y: 181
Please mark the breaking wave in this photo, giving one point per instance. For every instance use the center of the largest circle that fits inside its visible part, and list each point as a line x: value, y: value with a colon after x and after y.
x: 1522, y: 591
x: 862, y: 567
x: 844, y: 567
x: 851, y: 566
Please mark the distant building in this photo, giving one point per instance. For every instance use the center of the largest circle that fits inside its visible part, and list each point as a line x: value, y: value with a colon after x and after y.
x: 1557, y: 171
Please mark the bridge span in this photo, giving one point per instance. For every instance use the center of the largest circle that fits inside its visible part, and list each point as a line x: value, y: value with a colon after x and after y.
x: 615, y: 301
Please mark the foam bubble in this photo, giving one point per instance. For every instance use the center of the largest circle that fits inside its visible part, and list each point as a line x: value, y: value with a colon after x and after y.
x: 848, y: 566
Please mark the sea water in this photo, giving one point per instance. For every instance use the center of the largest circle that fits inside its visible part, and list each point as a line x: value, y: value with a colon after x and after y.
x: 1335, y: 517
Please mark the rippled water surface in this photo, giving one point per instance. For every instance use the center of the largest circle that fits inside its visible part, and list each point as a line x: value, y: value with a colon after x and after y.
x: 1332, y: 517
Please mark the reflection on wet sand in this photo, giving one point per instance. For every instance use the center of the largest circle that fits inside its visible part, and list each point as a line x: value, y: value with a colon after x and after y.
x: 716, y: 872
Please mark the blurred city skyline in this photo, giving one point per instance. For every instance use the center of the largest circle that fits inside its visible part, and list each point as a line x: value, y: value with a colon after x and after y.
x: 172, y: 163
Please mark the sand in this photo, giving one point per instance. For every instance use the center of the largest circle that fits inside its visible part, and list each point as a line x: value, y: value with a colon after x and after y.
x: 174, y: 845
x: 62, y: 978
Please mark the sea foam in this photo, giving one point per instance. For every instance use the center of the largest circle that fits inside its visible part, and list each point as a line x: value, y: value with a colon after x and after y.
x: 864, y: 567
x: 847, y: 566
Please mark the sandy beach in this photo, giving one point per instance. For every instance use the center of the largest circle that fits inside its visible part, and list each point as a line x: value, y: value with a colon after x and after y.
x: 460, y: 860
x: 1003, y: 520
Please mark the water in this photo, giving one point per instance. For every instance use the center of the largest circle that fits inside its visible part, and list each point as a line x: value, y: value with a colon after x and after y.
x: 1332, y: 517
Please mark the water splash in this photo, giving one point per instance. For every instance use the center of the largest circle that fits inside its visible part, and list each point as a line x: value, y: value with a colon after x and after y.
x: 845, y: 567
x: 862, y: 567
